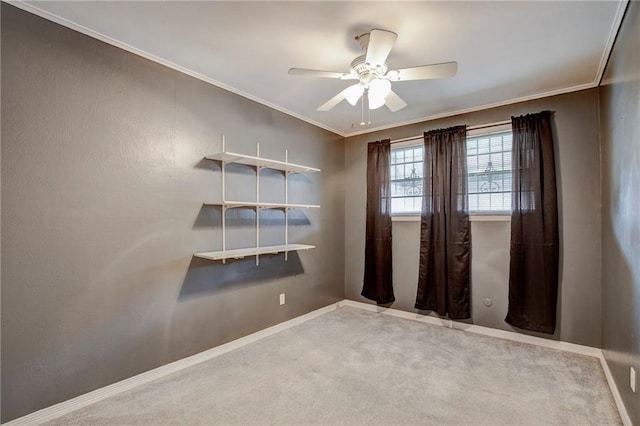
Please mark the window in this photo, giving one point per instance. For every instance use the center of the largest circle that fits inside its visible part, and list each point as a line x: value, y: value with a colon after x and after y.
x: 489, y: 173
x: 406, y: 179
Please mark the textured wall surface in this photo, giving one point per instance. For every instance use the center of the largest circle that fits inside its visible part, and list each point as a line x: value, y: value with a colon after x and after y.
x: 575, y: 121
x: 103, y: 184
x: 620, y: 121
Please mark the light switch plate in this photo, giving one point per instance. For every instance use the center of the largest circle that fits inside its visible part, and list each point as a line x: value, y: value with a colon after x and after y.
x: 282, y: 298
x: 632, y: 379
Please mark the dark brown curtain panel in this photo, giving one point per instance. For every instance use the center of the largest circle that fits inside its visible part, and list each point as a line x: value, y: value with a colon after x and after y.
x: 533, y: 275
x: 378, y: 284
x: 445, y: 238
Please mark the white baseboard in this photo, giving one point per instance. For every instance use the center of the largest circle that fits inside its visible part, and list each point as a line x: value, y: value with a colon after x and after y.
x: 478, y: 329
x: 396, y: 313
x: 66, y: 407
x: 507, y: 335
x: 626, y: 420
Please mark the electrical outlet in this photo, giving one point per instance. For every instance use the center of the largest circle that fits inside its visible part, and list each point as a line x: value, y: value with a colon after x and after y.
x: 632, y: 379
x: 282, y: 298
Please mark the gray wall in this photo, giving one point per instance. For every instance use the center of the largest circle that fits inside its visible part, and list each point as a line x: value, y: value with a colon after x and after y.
x: 620, y: 127
x: 102, y: 189
x: 578, y: 166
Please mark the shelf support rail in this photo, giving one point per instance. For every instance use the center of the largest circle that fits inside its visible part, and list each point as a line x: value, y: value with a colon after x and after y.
x: 286, y: 201
x: 224, y: 208
x: 258, y: 168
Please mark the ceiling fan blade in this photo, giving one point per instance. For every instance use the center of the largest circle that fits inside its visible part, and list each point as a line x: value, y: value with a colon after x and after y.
x: 352, y: 94
x: 323, y: 74
x: 424, y: 72
x: 332, y: 102
x: 380, y: 44
x: 394, y: 102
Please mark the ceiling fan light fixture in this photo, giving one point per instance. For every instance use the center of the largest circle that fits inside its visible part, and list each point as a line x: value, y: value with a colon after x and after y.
x: 374, y: 77
x: 375, y: 102
x: 353, y: 93
x: 379, y: 89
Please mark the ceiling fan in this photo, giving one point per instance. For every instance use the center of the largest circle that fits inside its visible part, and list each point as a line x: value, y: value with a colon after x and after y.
x: 373, y: 75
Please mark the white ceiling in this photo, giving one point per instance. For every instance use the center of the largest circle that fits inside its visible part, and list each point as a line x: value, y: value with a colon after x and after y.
x: 506, y: 51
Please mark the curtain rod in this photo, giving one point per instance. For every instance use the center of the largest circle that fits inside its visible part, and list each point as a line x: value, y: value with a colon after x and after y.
x: 481, y: 126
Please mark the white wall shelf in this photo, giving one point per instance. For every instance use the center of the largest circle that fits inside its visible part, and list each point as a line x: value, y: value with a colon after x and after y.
x: 252, y: 251
x: 259, y: 163
x: 234, y: 204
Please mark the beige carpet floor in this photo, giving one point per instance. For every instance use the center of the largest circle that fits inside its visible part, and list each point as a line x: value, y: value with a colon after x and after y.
x: 352, y: 367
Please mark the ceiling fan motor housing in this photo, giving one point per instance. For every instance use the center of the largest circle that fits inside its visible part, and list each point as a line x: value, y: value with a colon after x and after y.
x: 365, y: 72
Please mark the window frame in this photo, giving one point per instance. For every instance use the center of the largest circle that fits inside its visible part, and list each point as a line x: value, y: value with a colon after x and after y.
x: 488, y: 131
x: 419, y: 141
x: 475, y: 216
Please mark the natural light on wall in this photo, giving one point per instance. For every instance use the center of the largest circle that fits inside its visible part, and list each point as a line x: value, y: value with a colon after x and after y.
x: 489, y: 172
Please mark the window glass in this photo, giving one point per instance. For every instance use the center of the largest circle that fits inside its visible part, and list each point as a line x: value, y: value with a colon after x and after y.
x: 489, y: 175
x: 406, y: 180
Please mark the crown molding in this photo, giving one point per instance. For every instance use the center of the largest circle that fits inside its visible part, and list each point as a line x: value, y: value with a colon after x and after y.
x: 28, y: 7
x: 478, y: 108
x: 622, y: 5
x: 613, y: 33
